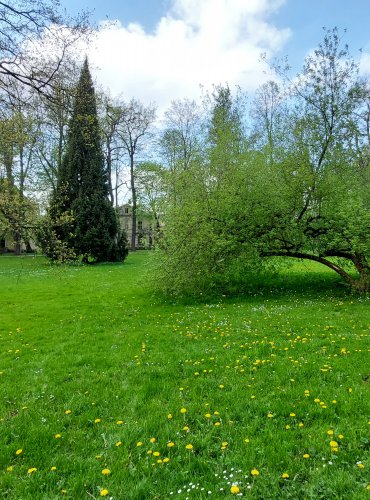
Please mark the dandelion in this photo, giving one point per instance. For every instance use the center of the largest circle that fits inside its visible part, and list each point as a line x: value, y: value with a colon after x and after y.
x: 170, y: 444
x: 105, y: 472
x: 31, y: 470
x: 360, y: 465
x: 159, y: 461
x: 333, y: 444
x: 207, y: 415
x: 301, y: 424
x: 221, y: 386
x: 152, y: 440
x: 97, y: 420
x: 166, y: 460
x: 57, y: 436
x: 330, y: 432
x: 270, y: 415
x: 156, y: 454
x: 119, y: 422
x: 306, y: 455
x: 217, y: 424
x: 19, y: 452
x: 291, y: 414
x: 9, y: 469
x: 246, y: 440
x: 287, y: 426
x: 119, y: 443
x: 285, y: 475
x: 139, y: 443
x: 183, y: 410
x: 340, y: 436
x: 234, y: 489
x: 170, y: 416
x: 68, y: 412
x: 104, y: 492
x: 189, y: 446
x: 224, y: 443
x: 255, y: 472
x: 53, y: 468
x: 185, y: 428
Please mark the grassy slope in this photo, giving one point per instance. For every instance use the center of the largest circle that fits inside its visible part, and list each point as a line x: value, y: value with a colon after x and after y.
x: 93, y: 340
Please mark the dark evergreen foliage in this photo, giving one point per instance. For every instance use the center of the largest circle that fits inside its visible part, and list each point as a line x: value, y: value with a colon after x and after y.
x: 81, y: 214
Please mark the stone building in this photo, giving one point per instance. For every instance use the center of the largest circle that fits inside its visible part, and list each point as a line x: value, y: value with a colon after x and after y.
x: 144, y: 226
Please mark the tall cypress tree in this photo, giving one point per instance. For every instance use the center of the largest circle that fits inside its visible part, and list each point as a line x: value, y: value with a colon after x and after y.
x: 81, y: 215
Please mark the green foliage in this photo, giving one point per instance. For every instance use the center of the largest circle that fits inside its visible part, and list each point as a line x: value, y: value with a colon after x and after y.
x: 81, y: 216
x: 93, y: 383
x: 302, y: 196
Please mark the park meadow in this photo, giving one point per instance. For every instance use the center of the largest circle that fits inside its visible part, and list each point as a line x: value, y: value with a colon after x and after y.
x: 110, y: 390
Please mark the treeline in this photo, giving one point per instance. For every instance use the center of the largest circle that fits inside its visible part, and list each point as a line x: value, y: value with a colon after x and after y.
x: 230, y: 184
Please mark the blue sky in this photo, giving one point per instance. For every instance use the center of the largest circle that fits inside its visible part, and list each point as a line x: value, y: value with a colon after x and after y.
x: 161, y: 50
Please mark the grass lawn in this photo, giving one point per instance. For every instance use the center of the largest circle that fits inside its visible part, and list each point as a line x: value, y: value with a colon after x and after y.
x: 109, y: 391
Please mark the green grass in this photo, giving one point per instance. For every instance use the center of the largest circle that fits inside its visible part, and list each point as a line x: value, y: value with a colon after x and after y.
x: 94, y: 341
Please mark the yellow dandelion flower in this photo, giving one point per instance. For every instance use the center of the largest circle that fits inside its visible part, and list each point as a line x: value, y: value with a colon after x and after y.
x: 368, y: 487
x: 105, y: 472
x: 234, y: 489
x: 67, y: 412
x: 340, y: 436
x: 156, y: 454
x: 104, y: 492
x: 119, y: 443
x: 169, y: 416
x: 119, y: 422
x: 98, y: 457
x: 333, y: 444
x: 53, y: 468
x: 9, y: 469
x: 316, y: 400
x: 166, y: 460
x: 360, y: 465
x: 31, y: 470
x: 306, y: 455
x: 170, y: 444
x: 301, y: 424
x: 217, y: 424
x: 189, y: 446
x: 221, y: 386
x: 19, y: 452
x: 270, y: 415
x: 159, y: 461
x: 149, y: 452
x: 207, y: 415
x: 216, y: 413
x: 224, y: 443
x: 139, y: 443
x: 255, y: 472
x: 185, y: 428
x: 183, y: 410
x: 246, y: 440
x: 58, y: 436
x: 291, y: 414
x: 285, y: 475
x: 330, y: 432
x: 152, y: 440
x: 287, y: 426
x: 334, y: 401
x: 97, y: 420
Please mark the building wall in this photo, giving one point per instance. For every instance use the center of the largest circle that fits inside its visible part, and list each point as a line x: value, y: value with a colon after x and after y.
x: 144, y: 227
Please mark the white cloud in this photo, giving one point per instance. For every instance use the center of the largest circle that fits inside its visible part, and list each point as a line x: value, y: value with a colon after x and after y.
x: 198, y: 42
x: 365, y: 64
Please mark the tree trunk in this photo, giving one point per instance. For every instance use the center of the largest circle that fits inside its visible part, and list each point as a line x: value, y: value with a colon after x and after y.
x: 134, y: 203
x: 361, y: 284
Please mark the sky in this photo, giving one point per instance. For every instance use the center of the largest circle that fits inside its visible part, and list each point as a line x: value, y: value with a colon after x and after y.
x: 161, y: 50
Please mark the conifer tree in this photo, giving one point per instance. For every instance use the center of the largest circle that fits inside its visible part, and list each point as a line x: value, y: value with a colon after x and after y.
x: 82, y: 218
